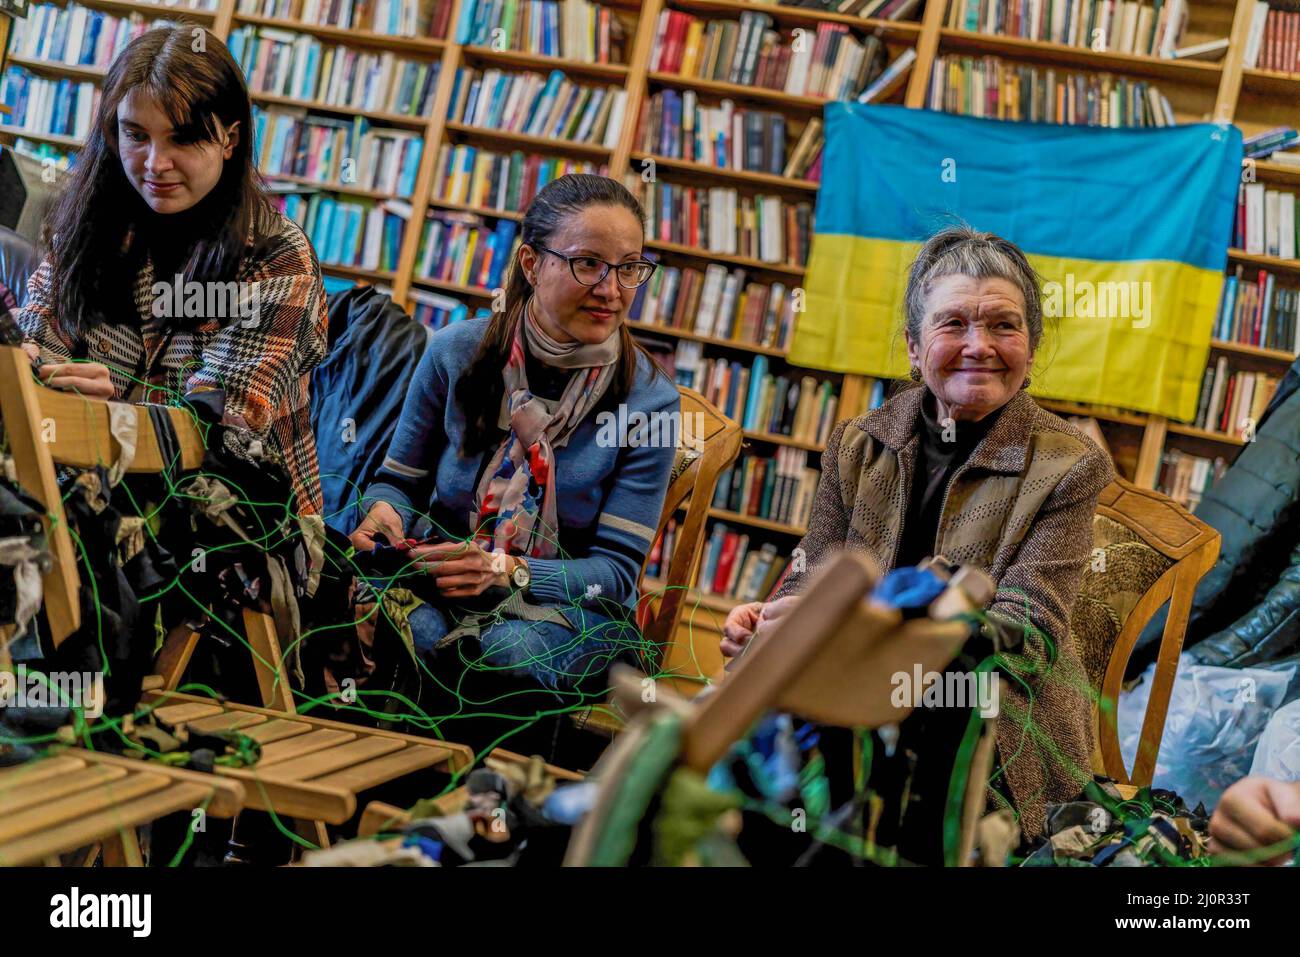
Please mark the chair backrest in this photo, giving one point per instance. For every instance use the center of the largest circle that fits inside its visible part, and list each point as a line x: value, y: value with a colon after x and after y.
x: 1147, y: 549
x: 708, y: 443
x: 46, y: 426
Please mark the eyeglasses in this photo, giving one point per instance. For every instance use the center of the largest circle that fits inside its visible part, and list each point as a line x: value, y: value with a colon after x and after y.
x: 591, y: 271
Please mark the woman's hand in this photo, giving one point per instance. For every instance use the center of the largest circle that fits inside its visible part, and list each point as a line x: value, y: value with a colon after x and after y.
x: 745, y: 621
x: 1255, y: 813
x: 382, y: 517
x: 89, y: 379
x: 462, y: 569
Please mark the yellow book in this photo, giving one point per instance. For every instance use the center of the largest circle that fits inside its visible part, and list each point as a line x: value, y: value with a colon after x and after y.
x: 479, y: 185
x: 463, y: 275
x: 694, y: 47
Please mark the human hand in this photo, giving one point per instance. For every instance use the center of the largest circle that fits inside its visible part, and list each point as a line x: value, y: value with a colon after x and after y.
x: 33, y: 351
x: 1254, y: 813
x: 462, y: 569
x: 382, y: 517
x: 89, y: 379
x: 739, y: 627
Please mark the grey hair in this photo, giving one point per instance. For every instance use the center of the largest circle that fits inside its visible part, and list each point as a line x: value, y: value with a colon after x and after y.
x: 962, y: 251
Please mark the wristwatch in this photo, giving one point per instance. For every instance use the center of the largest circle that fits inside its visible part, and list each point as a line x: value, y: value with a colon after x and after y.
x: 521, y: 576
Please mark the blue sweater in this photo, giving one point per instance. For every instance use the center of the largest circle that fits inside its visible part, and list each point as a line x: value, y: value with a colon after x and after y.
x: 608, y: 496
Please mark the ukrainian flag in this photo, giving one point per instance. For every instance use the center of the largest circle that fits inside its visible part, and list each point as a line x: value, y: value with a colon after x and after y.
x: 1128, y: 228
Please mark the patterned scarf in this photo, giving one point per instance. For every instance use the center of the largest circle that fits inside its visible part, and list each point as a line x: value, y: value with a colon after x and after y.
x: 515, y: 501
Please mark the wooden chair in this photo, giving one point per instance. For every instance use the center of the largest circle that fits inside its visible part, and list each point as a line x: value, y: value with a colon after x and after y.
x: 80, y: 799
x: 708, y: 443
x: 311, y: 768
x: 1148, y: 550
x: 832, y: 662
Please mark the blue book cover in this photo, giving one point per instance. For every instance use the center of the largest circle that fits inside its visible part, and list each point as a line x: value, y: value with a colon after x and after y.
x: 465, y: 27
x: 733, y: 385
x: 713, y: 554
x: 328, y: 229
x: 541, y: 105
x: 757, y: 373
x: 498, y: 104
x: 471, y: 101
x: 504, y: 239
x: 410, y: 167
x: 348, y: 239
x: 59, y: 36
x: 93, y: 27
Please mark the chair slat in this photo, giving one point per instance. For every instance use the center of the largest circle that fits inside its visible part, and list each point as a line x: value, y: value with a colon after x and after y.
x: 277, y: 729
x: 368, y: 774
x: 52, y: 813
x: 302, y: 745
x: 39, y: 770
x: 226, y: 721
x: 175, y: 714
x: 49, y: 789
x: 98, y: 825
x: 332, y: 759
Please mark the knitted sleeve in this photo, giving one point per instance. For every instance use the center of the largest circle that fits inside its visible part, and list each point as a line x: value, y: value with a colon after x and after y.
x: 262, y: 360
x: 36, y: 317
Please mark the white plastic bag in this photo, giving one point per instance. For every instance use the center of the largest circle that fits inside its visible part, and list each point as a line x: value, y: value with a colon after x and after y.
x: 1278, y: 752
x: 1215, y: 719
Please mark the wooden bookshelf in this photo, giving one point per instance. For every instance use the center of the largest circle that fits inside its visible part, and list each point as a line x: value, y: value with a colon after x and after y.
x: 1224, y: 90
x: 755, y: 522
x: 731, y: 177
x: 420, y: 47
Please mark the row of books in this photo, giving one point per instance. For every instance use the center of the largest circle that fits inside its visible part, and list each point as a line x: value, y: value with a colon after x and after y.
x: 777, y: 488
x: 722, y: 220
x: 718, y: 303
x: 55, y: 107
x: 1273, y: 42
x: 46, y: 153
x: 276, y: 9
x: 75, y: 35
x: 572, y: 29
x: 331, y: 151
x: 300, y: 66
x: 799, y: 408
x: 401, y: 18
x: 677, y: 125
x: 434, y: 309
x: 995, y: 89
x: 1266, y: 222
x: 1186, y: 478
x: 550, y: 106
x: 1273, y: 143
x: 505, y: 181
x: 1256, y: 311
x: 867, y: 9
x: 351, y: 232
x: 1124, y: 26
x: 830, y: 63
x: 461, y: 248
x: 1232, y: 400
x: 734, y: 567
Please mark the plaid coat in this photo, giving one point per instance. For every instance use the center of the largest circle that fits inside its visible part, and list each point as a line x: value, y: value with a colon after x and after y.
x: 263, y: 366
x: 1021, y: 509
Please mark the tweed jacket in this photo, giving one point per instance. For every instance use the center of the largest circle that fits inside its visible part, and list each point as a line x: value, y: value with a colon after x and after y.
x: 1021, y: 509
x: 263, y: 366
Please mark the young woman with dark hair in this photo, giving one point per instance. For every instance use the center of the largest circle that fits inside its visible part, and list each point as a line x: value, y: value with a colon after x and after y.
x: 168, y: 270
x: 543, y: 518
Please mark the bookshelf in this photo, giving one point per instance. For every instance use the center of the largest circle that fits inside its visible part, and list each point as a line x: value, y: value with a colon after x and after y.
x: 1198, y: 90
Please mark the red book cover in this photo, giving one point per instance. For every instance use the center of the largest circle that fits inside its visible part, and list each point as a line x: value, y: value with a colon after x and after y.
x: 1259, y: 308
x: 756, y: 486
x: 1226, y: 413
x: 722, y: 574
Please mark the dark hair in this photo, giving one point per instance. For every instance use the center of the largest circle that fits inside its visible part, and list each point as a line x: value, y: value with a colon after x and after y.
x: 92, y: 233
x: 962, y: 251
x: 480, y: 389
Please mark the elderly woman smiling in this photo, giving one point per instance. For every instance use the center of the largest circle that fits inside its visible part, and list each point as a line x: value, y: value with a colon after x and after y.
x: 967, y: 466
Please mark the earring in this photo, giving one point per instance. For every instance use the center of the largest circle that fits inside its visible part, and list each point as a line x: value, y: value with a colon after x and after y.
x: 1028, y: 379
x: 915, y: 374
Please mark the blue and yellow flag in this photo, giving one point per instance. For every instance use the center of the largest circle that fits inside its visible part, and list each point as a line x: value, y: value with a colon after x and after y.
x: 1128, y: 228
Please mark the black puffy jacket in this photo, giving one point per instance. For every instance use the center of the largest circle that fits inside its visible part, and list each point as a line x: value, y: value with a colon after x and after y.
x: 1247, y: 607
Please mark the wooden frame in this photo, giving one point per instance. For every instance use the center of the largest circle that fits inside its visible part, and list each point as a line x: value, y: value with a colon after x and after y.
x: 80, y: 798
x: 1193, y: 547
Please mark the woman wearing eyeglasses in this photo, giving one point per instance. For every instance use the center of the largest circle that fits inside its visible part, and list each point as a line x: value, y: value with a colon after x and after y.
x: 532, y: 524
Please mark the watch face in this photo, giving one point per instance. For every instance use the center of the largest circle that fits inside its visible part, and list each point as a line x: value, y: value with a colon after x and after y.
x: 521, y: 575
